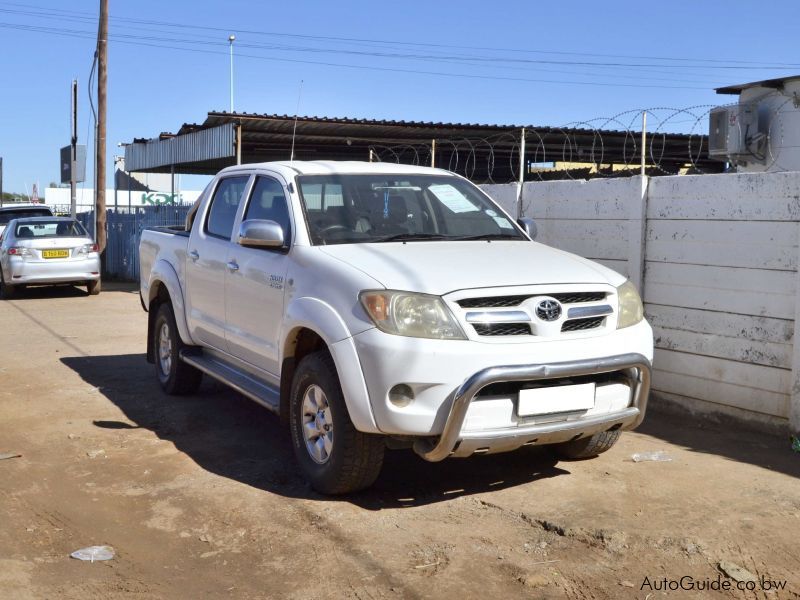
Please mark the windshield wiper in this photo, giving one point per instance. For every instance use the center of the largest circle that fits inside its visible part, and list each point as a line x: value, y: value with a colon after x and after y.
x: 411, y: 237
x: 488, y: 236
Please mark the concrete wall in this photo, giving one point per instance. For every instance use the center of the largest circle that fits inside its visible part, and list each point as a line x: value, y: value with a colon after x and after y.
x: 715, y: 257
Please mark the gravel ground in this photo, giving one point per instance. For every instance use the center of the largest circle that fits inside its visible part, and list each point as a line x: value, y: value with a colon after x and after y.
x: 200, y: 498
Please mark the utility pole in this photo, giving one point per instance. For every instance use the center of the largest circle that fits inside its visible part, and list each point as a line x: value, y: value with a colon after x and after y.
x: 73, y: 152
x: 100, y: 175
x: 231, y: 39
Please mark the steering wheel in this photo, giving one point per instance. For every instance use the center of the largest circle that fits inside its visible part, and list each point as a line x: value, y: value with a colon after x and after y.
x: 330, y: 228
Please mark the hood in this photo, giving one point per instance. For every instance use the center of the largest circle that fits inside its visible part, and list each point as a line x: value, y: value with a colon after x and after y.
x: 443, y: 267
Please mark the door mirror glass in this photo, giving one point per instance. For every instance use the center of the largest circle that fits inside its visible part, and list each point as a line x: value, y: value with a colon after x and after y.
x: 260, y: 233
x: 528, y: 226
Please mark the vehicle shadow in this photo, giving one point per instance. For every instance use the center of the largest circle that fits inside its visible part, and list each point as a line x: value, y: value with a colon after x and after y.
x: 70, y: 291
x: 231, y: 436
x: 725, y: 437
x: 50, y: 291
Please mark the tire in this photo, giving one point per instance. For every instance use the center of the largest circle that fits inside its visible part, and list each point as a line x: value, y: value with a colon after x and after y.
x: 6, y: 291
x: 175, y: 376
x: 93, y: 287
x: 588, y: 447
x: 350, y: 460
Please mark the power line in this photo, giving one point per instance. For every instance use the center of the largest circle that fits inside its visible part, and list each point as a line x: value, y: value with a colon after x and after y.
x: 83, y: 35
x: 697, y: 62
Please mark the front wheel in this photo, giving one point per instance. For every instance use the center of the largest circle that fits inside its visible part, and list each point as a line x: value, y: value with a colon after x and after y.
x: 175, y: 376
x: 588, y: 447
x: 335, y: 457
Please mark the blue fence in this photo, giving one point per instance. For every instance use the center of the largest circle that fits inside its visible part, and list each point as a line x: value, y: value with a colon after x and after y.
x: 124, y: 227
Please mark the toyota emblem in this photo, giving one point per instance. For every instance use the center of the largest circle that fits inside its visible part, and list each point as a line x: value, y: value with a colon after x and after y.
x: 548, y: 310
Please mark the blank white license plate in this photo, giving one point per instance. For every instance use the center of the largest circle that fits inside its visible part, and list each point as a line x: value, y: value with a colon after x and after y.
x: 558, y: 399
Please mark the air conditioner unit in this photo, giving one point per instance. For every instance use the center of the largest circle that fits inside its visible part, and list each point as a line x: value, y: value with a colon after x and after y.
x: 734, y: 134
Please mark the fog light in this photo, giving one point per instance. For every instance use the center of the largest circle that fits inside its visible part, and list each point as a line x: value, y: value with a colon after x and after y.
x: 401, y: 395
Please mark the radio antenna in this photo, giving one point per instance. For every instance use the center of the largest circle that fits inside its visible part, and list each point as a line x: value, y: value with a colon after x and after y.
x: 296, y: 112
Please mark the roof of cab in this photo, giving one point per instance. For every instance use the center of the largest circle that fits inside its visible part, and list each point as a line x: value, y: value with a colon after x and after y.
x: 331, y: 167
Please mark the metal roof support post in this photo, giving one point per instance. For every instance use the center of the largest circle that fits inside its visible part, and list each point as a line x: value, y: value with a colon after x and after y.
x: 644, y: 139
x: 172, y: 182
x: 370, y: 155
x: 521, y: 173
x: 238, y: 143
x: 433, y: 153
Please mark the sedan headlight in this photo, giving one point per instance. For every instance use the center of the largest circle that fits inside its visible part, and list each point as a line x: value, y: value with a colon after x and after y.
x: 630, y: 310
x: 412, y: 315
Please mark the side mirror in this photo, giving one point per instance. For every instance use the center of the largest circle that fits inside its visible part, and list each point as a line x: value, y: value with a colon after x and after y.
x: 260, y: 233
x: 528, y: 226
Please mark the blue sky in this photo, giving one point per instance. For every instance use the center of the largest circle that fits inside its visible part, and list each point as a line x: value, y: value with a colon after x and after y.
x: 515, y: 62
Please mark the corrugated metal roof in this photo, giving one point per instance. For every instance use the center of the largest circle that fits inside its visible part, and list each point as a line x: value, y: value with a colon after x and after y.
x: 767, y: 83
x: 201, y: 145
x: 476, y: 150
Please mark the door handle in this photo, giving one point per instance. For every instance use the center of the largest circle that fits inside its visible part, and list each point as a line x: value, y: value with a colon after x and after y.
x: 194, y: 255
x: 233, y: 266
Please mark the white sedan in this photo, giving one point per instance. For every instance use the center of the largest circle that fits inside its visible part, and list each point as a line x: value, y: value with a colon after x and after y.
x: 47, y: 251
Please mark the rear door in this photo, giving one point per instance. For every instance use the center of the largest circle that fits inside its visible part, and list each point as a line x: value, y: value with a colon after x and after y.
x: 206, y: 262
x: 254, y: 292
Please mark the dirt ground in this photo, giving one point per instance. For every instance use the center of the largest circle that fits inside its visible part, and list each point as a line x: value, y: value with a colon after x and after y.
x: 200, y: 498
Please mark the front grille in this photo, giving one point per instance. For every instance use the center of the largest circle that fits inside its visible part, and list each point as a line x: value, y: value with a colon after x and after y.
x: 502, y: 328
x: 582, y: 324
x: 506, y: 301
x: 494, y: 302
x: 577, y: 297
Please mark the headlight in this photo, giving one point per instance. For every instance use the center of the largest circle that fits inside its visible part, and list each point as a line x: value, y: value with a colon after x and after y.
x: 412, y: 315
x: 630, y: 310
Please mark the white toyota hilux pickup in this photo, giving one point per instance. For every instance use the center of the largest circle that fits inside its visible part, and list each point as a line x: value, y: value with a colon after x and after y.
x: 374, y: 305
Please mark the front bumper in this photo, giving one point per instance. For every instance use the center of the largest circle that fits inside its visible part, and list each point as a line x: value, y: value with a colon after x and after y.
x: 459, y: 442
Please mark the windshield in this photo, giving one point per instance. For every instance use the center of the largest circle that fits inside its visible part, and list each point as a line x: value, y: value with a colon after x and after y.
x: 350, y: 209
x: 42, y: 229
x: 7, y: 215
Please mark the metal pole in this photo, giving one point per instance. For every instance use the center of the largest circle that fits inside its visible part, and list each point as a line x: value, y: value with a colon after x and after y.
x: 644, y: 139
x: 73, y: 153
x: 521, y: 172
x: 116, y: 177
x: 370, y: 155
x: 231, y: 39
x: 433, y: 153
x: 172, y: 182
x: 1, y: 181
x: 100, y: 175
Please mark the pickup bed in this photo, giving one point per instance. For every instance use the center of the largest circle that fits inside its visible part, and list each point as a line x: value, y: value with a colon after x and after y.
x: 378, y: 306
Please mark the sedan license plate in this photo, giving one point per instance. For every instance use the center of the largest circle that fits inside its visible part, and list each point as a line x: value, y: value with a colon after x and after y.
x: 55, y: 253
x: 557, y: 399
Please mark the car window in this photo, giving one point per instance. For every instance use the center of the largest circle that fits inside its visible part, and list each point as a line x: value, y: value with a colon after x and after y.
x: 224, y: 206
x: 43, y: 229
x: 269, y: 202
x: 7, y: 215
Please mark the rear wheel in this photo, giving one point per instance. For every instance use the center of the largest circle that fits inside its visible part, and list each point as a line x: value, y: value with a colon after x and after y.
x: 335, y: 457
x: 93, y: 287
x: 6, y: 291
x: 175, y: 376
x: 588, y: 447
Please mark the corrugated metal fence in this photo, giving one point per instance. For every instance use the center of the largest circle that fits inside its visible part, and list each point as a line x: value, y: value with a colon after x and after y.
x: 121, y: 258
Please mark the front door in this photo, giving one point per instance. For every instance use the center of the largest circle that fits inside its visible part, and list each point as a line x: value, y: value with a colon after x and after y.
x: 205, y: 263
x: 254, y: 292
